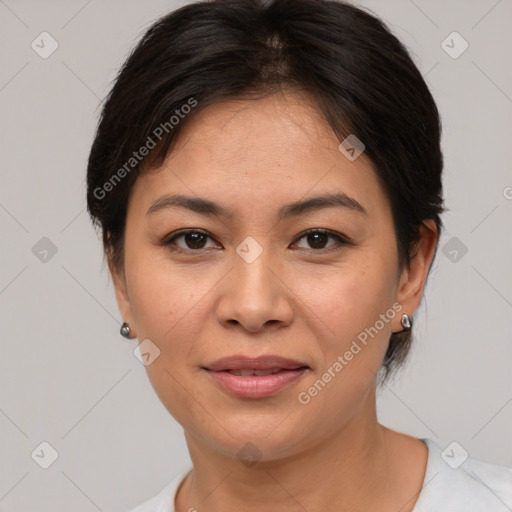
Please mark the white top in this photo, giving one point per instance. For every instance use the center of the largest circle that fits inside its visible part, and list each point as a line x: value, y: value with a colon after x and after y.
x: 473, y: 486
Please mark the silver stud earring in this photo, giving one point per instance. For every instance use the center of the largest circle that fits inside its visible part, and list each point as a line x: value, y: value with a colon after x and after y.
x: 125, y: 330
x: 406, y: 322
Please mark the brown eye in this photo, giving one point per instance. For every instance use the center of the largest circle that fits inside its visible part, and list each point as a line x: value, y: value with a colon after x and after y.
x: 318, y: 239
x: 193, y: 239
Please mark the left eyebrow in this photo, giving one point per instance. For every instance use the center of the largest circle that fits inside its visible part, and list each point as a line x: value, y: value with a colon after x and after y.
x: 207, y: 207
x: 319, y: 202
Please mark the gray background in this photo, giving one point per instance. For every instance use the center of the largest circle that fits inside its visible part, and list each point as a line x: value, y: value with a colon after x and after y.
x: 68, y: 378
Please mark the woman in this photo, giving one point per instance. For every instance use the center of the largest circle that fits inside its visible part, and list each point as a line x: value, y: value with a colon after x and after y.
x: 267, y: 178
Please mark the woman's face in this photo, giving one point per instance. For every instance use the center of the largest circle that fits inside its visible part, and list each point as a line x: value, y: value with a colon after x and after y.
x: 252, y: 284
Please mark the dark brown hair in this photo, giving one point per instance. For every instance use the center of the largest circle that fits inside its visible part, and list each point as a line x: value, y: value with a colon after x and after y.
x: 360, y: 77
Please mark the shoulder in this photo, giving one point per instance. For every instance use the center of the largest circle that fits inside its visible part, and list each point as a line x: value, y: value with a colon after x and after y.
x: 458, y: 483
x: 164, y: 500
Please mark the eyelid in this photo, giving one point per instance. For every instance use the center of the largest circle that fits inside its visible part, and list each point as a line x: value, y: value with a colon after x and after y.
x: 334, y: 234
x: 341, y: 239
x: 169, y: 240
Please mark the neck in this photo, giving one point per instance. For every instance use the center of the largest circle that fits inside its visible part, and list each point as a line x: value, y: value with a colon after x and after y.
x: 348, y: 470
x: 355, y: 468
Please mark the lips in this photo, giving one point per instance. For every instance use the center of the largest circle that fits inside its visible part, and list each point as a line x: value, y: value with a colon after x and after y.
x: 263, y: 363
x: 259, y: 373
x: 259, y: 377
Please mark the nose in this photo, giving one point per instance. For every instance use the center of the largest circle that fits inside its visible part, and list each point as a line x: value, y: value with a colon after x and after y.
x: 255, y: 295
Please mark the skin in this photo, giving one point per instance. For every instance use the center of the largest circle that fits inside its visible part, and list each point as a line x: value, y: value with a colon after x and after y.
x: 302, y: 298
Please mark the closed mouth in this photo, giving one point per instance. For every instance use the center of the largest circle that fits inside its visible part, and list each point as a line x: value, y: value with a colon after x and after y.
x: 260, y: 373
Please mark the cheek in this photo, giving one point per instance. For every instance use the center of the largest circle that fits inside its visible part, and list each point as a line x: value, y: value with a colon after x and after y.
x: 167, y: 304
x: 170, y: 307
x: 354, y: 297
x: 351, y: 303
x: 350, y: 355
x: 164, y: 295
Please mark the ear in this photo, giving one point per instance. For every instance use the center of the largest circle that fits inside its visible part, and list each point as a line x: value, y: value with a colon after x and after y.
x: 121, y: 290
x: 413, y: 279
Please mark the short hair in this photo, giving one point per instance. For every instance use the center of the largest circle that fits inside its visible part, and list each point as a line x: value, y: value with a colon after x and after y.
x: 360, y: 77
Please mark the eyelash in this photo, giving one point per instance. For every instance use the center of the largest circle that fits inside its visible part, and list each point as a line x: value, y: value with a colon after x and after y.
x: 169, y: 242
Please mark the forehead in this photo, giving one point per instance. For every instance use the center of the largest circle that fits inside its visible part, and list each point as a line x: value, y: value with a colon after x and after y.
x: 283, y: 127
x: 250, y: 150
